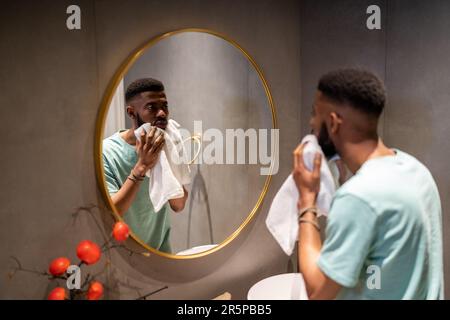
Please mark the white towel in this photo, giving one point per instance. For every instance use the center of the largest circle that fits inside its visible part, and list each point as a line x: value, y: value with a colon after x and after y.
x: 171, y: 172
x: 282, y: 218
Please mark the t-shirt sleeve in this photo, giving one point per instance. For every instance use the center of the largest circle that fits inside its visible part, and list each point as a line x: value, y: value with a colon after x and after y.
x: 110, y: 178
x: 349, y: 235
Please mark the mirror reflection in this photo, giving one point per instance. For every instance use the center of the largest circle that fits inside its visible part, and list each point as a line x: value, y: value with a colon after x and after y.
x: 183, y: 161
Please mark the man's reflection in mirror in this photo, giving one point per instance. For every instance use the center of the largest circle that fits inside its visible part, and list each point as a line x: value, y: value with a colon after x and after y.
x: 127, y: 159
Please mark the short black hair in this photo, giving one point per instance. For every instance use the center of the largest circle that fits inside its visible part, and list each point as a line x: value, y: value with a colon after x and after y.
x: 360, y: 88
x: 142, y: 85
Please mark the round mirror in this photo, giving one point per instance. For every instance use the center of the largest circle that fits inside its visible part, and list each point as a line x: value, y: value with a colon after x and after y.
x: 186, y: 142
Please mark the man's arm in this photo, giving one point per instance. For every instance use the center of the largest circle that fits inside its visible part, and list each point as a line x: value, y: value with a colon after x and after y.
x: 178, y: 204
x: 123, y: 198
x: 318, y: 284
x: 148, y: 149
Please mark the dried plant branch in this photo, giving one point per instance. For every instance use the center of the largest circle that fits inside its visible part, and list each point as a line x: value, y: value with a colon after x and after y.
x: 130, y: 252
x: 107, y: 245
x: 144, y: 297
x: 88, y: 209
x: 40, y: 273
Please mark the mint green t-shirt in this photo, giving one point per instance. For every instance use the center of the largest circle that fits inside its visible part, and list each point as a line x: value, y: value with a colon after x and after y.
x: 384, y: 233
x: 151, y: 227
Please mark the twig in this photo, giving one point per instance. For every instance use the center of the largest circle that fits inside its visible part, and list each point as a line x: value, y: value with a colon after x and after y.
x: 144, y: 297
x: 131, y: 252
x: 106, y: 243
x: 86, y: 280
x: 20, y: 268
x: 89, y: 209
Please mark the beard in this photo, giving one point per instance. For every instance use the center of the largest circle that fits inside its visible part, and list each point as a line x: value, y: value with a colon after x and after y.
x: 328, y: 147
x: 139, y: 121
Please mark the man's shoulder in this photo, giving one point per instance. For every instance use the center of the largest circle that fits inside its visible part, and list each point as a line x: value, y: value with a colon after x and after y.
x: 389, y: 180
x: 368, y: 185
x: 416, y: 162
x: 421, y: 176
x: 111, y: 143
x: 111, y: 139
x: 358, y: 185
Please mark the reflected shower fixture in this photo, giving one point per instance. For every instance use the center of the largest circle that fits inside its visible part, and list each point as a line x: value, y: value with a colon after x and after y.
x: 198, y: 190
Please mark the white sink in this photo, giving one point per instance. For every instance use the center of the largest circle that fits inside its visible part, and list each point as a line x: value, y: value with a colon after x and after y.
x: 195, y: 250
x: 287, y: 286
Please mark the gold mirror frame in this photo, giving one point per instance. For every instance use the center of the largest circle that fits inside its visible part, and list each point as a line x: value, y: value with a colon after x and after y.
x: 100, y: 125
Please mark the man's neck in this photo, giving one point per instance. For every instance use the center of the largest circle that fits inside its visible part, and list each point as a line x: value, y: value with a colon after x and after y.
x: 356, y: 154
x: 128, y: 136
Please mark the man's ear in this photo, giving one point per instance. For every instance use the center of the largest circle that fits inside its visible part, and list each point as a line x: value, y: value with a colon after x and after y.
x: 335, y: 122
x: 130, y: 111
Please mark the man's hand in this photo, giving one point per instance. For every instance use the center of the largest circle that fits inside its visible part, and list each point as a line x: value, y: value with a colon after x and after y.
x: 308, y: 183
x: 148, y: 149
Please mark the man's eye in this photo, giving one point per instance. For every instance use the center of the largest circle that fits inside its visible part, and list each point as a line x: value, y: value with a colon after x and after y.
x: 155, y: 108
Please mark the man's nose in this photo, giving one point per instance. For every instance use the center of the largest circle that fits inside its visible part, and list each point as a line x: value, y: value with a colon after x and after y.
x: 161, y: 113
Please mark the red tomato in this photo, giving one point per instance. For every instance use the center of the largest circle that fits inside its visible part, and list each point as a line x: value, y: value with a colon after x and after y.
x: 88, y: 252
x: 121, y: 231
x: 95, y: 291
x: 57, y: 294
x: 59, y: 266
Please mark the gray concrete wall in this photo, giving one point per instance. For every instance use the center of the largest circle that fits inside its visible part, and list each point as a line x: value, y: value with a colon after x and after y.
x: 418, y: 82
x: 52, y: 82
x: 333, y: 35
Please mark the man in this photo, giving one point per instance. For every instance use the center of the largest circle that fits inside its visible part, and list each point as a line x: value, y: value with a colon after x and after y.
x: 126, y: 160
x: 384, y: 234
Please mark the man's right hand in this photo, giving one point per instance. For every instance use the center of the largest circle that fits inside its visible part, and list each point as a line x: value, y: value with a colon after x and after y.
x: 148, y: 149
